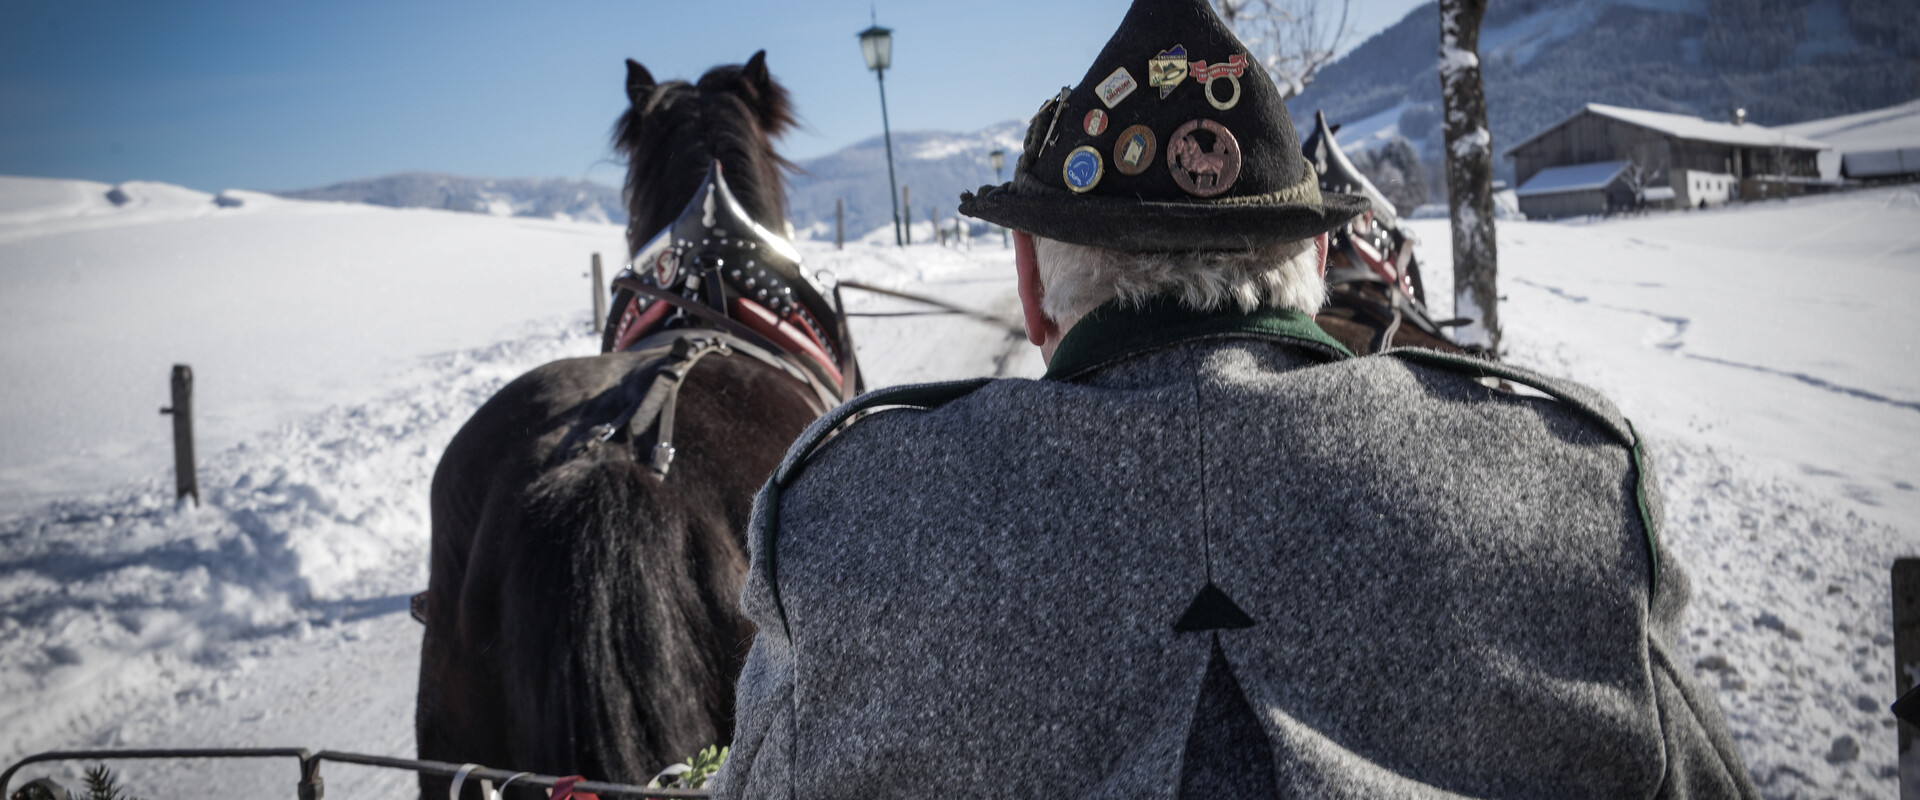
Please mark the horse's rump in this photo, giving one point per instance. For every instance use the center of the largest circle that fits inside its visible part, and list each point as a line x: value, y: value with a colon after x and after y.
x: 595, y: 600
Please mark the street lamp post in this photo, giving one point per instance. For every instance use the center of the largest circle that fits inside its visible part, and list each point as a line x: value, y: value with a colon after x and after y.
x: 876, y: 44
x: 999, y: 159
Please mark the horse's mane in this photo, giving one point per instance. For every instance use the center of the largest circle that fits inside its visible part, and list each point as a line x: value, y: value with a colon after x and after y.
x: 673, y: 130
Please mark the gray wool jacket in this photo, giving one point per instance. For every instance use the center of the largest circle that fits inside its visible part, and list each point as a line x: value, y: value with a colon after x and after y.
x: 1211, y: 556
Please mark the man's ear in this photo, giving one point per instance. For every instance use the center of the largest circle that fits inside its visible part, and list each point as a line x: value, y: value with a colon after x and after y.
x: 1032, y: 293
x: 1320, y: 244
x: 640, y: 83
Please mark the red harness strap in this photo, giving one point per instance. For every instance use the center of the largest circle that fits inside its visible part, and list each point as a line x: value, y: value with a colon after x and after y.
x: 798, y: 339
x: 792, y: 338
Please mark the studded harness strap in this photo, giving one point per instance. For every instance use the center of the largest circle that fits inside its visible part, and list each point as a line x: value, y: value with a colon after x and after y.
x: 716, y: 282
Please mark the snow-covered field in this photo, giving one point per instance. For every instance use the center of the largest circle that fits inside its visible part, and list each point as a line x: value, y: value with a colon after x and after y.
x: 337, y: 348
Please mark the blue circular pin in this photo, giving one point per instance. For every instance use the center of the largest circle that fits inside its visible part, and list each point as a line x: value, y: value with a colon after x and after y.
x: 1083, y: 168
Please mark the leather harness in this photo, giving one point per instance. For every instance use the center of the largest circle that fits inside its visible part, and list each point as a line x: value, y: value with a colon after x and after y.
x: 711, y: 263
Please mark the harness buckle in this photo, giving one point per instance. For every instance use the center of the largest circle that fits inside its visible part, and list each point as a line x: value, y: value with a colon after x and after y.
x: 662, y: 457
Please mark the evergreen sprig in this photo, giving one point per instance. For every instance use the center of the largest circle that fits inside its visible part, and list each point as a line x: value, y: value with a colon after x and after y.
x: 101, y: 785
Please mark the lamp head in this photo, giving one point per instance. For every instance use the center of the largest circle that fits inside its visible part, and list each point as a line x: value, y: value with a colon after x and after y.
x: 876, y: 44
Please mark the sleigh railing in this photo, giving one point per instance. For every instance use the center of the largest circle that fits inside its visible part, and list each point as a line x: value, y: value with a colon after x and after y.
x: 310, y: 785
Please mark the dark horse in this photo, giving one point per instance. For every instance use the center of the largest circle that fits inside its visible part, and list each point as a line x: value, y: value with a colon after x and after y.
x: 1375, y: 296
x: 582, y: 617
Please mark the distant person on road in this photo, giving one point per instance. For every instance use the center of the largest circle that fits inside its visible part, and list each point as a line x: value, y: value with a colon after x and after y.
x: 1210, y: 554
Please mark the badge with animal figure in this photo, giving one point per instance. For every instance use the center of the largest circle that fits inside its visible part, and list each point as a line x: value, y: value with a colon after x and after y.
x: 1116, y: 87
x: 1096, y: 122
x: 1167, y: 69
x: 1232, y: 70
x: 1083, y: 169
x: 1135, y: 150
x: 1203, y: 168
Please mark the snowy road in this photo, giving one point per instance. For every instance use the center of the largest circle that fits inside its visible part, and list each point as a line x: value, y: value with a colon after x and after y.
x: 1763, y: 349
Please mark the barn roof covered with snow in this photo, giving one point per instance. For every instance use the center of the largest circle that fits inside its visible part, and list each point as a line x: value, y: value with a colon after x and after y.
x: 1572, y: 178
x: 1683, y: 126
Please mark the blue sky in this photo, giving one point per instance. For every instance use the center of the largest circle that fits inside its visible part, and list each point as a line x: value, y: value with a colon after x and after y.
x: 275, y: 96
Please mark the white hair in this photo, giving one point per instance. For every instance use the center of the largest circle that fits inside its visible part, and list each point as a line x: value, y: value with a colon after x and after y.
x: 1076, y: 279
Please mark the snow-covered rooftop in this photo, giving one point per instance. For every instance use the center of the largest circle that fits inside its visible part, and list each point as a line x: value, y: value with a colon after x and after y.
x: 1688, y: 127
x: 1572, y: 178
x: 1880, y: 129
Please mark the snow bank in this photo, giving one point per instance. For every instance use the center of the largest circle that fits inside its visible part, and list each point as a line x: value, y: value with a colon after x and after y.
x: 125, y: 610
x: 282, y: 307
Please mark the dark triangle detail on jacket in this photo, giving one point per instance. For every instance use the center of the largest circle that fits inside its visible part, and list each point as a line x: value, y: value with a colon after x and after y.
x: 1228, y: 753
x: 1212, y: 610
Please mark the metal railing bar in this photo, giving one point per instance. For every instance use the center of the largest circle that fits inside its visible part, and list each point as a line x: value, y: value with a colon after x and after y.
x: 301, y: 753
x: 499, y: 775
x: 310, y: 784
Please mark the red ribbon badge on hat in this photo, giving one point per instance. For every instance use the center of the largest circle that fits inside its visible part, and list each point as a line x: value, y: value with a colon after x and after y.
x: 1235, y: 67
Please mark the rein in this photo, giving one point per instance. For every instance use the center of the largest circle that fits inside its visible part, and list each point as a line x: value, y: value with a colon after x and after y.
x: 946, y: 307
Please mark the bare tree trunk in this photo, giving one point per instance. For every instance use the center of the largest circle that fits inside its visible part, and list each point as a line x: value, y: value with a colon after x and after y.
x: 1469, y: 174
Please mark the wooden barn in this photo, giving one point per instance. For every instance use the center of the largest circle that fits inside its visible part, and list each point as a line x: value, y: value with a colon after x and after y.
x: 1575, y: 190
x: 1697, y: 162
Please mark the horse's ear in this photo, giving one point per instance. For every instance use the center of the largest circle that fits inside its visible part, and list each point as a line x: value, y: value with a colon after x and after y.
x: 756, y: 75
x: 768, y: 98
x: 639, y: 82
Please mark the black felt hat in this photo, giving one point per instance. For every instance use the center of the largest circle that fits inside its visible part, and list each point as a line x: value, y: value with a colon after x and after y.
x: 1176, y: 139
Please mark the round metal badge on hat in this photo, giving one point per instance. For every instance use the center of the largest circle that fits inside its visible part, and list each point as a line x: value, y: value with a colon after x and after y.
x: 1135, y: 150
x: 1202, y: 170
x: 1096, y: 122
x: 1083, y: 169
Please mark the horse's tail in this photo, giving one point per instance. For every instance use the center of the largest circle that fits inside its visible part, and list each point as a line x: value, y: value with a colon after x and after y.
x: 644, y: 579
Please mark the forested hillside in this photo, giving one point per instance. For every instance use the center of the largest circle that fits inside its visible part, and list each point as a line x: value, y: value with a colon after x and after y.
x: 1784, y: 61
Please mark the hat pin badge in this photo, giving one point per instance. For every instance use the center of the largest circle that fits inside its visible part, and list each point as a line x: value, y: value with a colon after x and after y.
x: 1082, y: 169
x: 1059, y: 104
x: 1096, y: 122
x: 1203, y: 171
x: 1167, y: 69
x: 1135, y: 150
x: 1116, y: 87
x: 1235, y: 66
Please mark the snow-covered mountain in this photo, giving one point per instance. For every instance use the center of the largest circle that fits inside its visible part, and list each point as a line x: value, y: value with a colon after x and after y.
x: 1784, y: 61
x: 933, y: 166
x: 548, y: 198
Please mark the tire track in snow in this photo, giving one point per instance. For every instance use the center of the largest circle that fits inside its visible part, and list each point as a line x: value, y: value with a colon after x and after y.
x: 1818, y: 383
x: 1675, y: 341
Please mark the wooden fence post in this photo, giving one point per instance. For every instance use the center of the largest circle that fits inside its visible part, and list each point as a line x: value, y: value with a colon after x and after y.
x: 599, y: 296
x: 933, y: 213
x: 185, y: 480
x: 906, y: 208
x: 1906, y: 666
x: 839, y: 223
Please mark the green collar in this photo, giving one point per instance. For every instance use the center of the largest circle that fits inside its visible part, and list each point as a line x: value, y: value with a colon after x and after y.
x: 1114, y: 331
